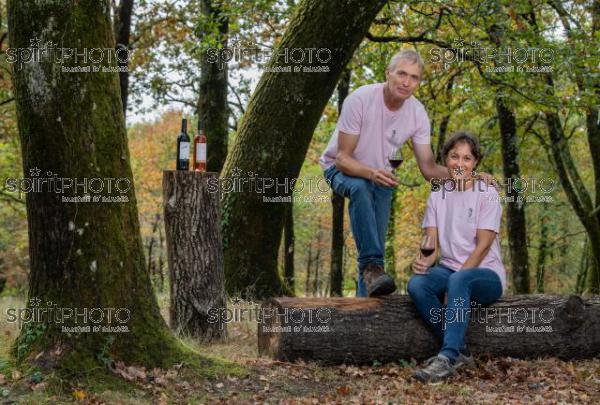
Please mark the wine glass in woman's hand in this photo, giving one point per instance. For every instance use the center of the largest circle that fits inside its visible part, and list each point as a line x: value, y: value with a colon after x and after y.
x: 427, y: 245
x: 426, y: 258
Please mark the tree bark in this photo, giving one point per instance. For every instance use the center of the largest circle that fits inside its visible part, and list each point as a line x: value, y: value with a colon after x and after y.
x: 275, y: 132
x: 161, y: 262
x: 445, y: 122
x: 309, y: 261
x: 317, y: 261
x: 84, y: 255
x: 336, y: 271
x: 543, y: 250
x: 195, y: 253
x: 389, y: 329
x: 515, y: 212
x: 583, y: 268
x: 122, y: 28
x: 288, y: 248
x: 212, y: 101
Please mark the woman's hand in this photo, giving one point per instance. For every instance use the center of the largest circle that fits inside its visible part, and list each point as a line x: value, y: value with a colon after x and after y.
x: 421, y: 264
x: 488, y: 179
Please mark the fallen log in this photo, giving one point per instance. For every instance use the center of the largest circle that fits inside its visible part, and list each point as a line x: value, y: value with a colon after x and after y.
x: 363, y: 330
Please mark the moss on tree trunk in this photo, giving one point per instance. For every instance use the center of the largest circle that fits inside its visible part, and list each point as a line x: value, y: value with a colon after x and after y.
x: 84, y: 256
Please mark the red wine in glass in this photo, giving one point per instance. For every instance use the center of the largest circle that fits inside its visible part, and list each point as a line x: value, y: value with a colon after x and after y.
x: 396, y: 158
x: 426, y: 251
x: 395, y: 163
x: 427, y: 245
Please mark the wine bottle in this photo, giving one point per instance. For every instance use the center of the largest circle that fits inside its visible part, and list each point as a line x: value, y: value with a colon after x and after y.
x: 199, y: 164
x: 183, y: 148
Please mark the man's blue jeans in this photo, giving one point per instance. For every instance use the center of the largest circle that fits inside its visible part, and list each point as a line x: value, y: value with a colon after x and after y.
x: 465, y: 288
x: 369, y: 210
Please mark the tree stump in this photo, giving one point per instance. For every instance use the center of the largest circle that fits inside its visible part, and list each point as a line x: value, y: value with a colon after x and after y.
x: 361, y: 330
x: 195, y: 253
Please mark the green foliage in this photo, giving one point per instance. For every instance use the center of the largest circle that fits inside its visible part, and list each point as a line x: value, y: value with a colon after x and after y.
x: 104, y: 353
x: 30, y: 334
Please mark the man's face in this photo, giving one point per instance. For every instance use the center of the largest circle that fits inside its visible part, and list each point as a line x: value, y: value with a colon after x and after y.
x: 404, y: 79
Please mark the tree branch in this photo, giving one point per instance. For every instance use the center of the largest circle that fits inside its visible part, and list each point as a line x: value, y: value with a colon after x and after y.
x: 2, y: 38
x: 9, y: 197
x: 237, y: 96
x: 10, y: 100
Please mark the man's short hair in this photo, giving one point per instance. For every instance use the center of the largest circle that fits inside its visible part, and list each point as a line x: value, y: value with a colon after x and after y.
x: 409, y: 55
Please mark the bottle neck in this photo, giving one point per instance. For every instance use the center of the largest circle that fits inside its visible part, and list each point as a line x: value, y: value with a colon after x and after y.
x: 184, y: 126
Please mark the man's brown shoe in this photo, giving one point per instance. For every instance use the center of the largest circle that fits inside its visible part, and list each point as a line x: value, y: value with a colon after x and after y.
x: 377, y: 281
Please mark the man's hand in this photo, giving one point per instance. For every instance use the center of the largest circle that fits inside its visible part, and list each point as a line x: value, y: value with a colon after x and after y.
x: 421, y: 264
x: 383, y: 178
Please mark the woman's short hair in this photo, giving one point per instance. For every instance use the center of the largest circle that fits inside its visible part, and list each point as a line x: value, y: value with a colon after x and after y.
x: 463, y: 137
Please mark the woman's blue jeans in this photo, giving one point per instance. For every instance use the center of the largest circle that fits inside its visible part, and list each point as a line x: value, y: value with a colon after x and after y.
x: 465, y: 288
x: 369, y: 211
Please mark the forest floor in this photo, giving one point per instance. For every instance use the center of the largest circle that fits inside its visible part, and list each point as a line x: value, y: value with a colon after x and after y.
x: 234, y: 373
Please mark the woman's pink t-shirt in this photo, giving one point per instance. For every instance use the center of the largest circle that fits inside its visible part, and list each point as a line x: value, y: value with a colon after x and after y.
x: 457, y: 216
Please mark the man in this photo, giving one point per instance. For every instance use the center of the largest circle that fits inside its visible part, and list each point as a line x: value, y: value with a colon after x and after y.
x: 376, y: 119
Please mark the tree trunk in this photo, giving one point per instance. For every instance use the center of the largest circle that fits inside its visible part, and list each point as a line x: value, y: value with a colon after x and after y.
x: 309, y: 260
x: 85, y: 254
x: 275, y: 132
x: 583, y: 267
x: 542, y: 253
x: 350, y: 330
x: 212, y: 101
x: 151, y: 242
x: 317, y: 262
x: 195, y: 253
x: 515, y: 212
x: 161, y: 260
x: 444, y: 123
x: 288, y: 245
x: 336, y: 272
x: 442, y: 138
x: 122, y: 28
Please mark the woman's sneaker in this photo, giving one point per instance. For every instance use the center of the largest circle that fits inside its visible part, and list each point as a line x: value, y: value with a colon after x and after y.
x: 437, y: 368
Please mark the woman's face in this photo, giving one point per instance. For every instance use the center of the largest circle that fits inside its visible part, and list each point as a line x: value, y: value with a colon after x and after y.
x: 460, y: 161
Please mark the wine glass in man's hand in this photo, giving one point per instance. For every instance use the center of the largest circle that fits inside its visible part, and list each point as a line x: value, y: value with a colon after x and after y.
x: 396, y: 158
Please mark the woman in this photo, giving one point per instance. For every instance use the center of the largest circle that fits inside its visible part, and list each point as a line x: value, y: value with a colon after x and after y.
x: 463, y: 217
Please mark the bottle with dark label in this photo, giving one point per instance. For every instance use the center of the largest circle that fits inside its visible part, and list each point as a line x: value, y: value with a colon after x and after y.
x: 199, y: 164
x: 183, y: 148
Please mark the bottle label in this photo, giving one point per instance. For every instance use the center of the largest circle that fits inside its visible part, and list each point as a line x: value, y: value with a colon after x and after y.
x: 201, y: 152
x: 184, y: 151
